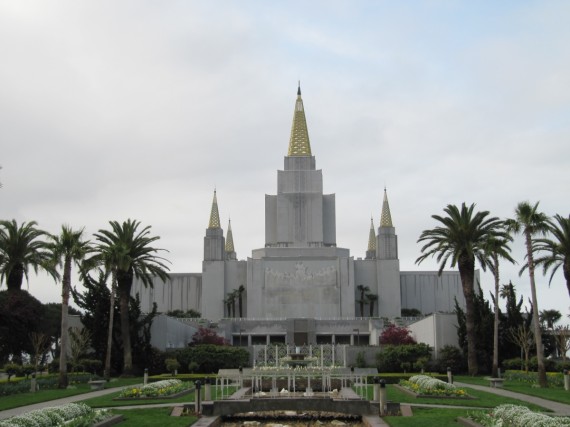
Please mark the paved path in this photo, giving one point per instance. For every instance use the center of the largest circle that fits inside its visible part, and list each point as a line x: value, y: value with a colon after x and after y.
x: 23, y: 409
x: 556, y: 407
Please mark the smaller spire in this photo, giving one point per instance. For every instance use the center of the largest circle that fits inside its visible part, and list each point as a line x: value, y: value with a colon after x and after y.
x: 386, y: 217
x: 299, y: 144
x: 372, y: 237
x: 214, y: 214
x: 230, y: 239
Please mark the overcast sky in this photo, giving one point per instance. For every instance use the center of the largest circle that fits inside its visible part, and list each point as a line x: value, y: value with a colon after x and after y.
x: 138, y: 109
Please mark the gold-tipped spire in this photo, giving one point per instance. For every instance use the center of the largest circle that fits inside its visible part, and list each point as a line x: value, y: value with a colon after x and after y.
x: 214, y: 214
x: 386, y: 218
x: 230, y: 238
x: 299, y: 144
x: 372, y: 237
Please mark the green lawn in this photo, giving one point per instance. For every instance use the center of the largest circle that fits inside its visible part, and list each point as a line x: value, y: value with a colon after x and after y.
x: 153, y: 417
x: 108, y: 402
x: 483, y: 399
x: 429, y: 417
x: 557, y: 394
x: 23, y: 399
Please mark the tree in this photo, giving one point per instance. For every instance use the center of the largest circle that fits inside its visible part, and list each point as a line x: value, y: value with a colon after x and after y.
x: 80, y: 339
x: 396, y: 335
x: 40, y: 343
x: 207, y: 336
x: 371, y: 298
x: 21, y: 248
x: 20, y: 315
x: 240, y: 292
x: 497, y: 248
x: 363, y: 290
x: 460, y: 240
x: 67, y: 248
x: 95, y: 302
x: 530, y: 222
x: 483, y: 319
x: 522, y: 336
x: 513, y: 317
x: 548, y: 318
x: 131, y: 256
x: 557, y: 250
x: 562, y: 337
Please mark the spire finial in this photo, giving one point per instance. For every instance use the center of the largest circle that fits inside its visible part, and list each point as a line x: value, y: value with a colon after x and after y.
x: 372, y: 237
x: 230, y: 239
x: 299, y: 144
x: 214, y: 213
x: 386, y: 217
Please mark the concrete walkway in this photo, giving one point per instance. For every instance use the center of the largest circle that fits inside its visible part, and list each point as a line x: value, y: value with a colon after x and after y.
x: 76, y: 398
x: 556, y: 407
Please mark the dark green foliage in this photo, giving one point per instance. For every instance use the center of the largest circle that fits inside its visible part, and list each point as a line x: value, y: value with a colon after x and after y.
x: 395, y: 378
x: 360, y: 360
x: 511, y: 320
x: 484, y: 321
x: 20, y: 315
x: 190, y: 314
x: 154, y: 361
x: 210, y: 358
x: 450, y: 357
x: 93, y: 366
x: 95, y: 301
x: 48, y: 382
x: 410, y: 312
x: 52, y: 323
x: 13, y: 370
x: 513, y: 364
x: 549, y: 364
x: 396, y: 358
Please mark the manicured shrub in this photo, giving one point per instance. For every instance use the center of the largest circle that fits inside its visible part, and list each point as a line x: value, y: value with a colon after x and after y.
x: 211, y: 358
x: 512, y: 364
x: 394, y: 358
x: 172, y: 365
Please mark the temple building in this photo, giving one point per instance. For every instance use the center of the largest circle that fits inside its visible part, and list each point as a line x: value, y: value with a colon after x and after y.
x: 301, y: 287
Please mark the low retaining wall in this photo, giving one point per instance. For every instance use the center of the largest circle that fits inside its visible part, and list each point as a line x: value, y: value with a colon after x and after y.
x: 324, y: 404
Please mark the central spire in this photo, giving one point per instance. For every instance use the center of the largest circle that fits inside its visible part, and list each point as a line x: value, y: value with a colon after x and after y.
x: 299, y: 144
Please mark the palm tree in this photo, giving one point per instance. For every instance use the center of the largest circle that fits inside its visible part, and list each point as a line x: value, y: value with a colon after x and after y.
x: 371, y: 300
x: 497, y: 248
x: 549, y: 317
x: 557, y: 249
x: 67, y: 248
x: 240, y: 292
x: 234, y: 297
x: 132, y: 256
x: 110, y: 258
x: 460, y: 240
x: 362, y: 289
x: 529, y: 221
x: 21, y: 248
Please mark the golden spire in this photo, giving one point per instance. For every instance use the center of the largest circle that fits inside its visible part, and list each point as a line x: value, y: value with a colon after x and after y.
x: 214, y: 214
x: 299, y: 144
x: 230, y: 238
x: 386, y: 218
x: 372, y: 237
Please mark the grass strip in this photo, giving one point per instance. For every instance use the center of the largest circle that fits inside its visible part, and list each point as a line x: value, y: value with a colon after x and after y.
x: 24, y: 399
x: 429, y: 417
x: 150, y: 417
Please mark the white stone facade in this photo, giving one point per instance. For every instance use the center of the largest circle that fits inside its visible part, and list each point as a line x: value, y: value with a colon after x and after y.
x: 300, y: 273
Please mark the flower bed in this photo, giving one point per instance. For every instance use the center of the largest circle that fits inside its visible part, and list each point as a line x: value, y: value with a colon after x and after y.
x: 425, y: 386
x: 517, y: 416
x: 157, y: 390
x: 71, y: 414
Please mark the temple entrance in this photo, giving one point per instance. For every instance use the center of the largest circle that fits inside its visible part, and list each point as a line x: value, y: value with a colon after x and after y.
x: 300, y: 338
